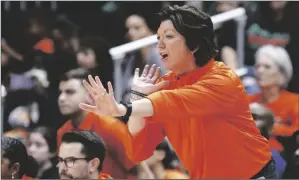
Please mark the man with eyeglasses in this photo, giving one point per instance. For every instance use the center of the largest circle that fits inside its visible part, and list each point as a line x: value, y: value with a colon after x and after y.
x: 81, y: 156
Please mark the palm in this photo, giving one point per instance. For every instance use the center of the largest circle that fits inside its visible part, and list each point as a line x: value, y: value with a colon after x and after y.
x: 104, y: 103
x: 146, y: 82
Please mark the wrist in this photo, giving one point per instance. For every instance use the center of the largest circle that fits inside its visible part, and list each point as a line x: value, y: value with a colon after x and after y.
x: 134, y: 97
x: 122, y: 110
x: 125, y: 109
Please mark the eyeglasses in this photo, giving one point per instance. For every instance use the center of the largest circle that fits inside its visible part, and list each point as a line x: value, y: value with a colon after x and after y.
x: 70, y: 161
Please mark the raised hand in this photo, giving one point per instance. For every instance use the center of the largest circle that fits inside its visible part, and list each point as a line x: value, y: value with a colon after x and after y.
x: 105, y: 103
x: 146, y: 82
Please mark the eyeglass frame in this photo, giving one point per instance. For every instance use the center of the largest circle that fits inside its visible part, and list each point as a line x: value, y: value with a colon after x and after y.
x: 71, y: 159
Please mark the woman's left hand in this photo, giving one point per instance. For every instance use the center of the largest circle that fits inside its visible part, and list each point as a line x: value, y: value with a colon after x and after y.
x: 105, y: 103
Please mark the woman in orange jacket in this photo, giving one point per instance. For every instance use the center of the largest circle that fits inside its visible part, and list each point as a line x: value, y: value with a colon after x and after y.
x: 201, y: 105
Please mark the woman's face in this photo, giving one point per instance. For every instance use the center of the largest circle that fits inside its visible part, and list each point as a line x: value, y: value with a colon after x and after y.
x: 86, y: 59
x: 38, y: 148
x: 267, y: 72
x: 137, y: 28
x: 172, y: 48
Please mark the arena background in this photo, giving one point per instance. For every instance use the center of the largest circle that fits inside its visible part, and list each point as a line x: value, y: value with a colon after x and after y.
x: 40, y: 41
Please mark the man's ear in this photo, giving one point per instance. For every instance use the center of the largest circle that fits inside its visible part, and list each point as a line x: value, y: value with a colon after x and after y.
x: 94, y: 164
x: 15, y: 169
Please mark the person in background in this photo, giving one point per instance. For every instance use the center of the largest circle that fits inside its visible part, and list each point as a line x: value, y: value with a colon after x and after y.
x: 273, y: 71
x: 93, y: 54
x: 42, y: 147
x: 164, y: 163
x: 194, y: 105
x: 264, y: 120
x: 15, y: 162
x: 72, y: 92
x: 81, y: 156
x: 272, y: 23
x: 137, y: 28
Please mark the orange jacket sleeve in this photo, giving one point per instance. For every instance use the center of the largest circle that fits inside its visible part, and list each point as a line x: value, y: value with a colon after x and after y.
x: 117, y: 146
x: 215, y: 94
x: 288, y: 130
x: 138, y: 147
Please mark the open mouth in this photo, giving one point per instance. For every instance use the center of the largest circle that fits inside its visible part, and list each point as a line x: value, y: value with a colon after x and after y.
x: 164, y: 57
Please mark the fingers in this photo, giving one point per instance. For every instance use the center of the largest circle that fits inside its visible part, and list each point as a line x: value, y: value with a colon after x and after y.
x: 145, y: 71
x: 99, y: 83
x: 92, y: 82
x: 157, y: 75
x: 151, y: 71
x: 90, y: 90
x: 136, y: 74
x: 87, y: 107
x: 110, y: 88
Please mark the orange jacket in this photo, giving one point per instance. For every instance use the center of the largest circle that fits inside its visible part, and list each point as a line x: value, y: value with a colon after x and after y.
x: 205, y: 115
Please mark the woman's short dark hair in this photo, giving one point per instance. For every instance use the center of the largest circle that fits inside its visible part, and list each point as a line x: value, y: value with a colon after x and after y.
x: 196, y: 27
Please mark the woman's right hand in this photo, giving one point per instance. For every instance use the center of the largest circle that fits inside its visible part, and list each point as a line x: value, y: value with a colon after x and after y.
x: 146, y: 83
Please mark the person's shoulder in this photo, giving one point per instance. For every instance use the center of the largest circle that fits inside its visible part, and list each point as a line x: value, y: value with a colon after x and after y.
x: 64, y: 127
x: 290, y: 96
x: 222, y: 75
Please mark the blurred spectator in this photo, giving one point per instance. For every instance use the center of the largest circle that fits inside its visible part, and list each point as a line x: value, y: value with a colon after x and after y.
x: 18, y: 133
x: 81, y: 156
x: 72, y: 93
x: 28, y: 105
x: 42, y: 147
x: 264, y: 120
x: 138, y: 27
x: 273, y: 72
x: 165, y: 164
x: 93, y: 54
x: 15, y: 162
x: 273, y: 23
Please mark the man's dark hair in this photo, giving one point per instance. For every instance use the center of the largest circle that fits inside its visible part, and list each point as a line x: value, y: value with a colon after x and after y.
x: 15, y: 151
x: 79, y: 73
x: 93, y: 145
x: 196, y: 27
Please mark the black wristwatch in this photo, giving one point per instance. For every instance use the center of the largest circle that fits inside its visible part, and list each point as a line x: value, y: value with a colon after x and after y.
x: 129, y: 109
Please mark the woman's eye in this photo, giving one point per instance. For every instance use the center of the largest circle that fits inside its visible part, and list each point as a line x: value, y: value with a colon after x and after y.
x: 168, y: 36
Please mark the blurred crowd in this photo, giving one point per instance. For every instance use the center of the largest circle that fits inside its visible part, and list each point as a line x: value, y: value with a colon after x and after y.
x: 46, y: 53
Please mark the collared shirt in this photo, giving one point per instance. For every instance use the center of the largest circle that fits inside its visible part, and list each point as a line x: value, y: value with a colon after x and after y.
x: 205, y: 115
